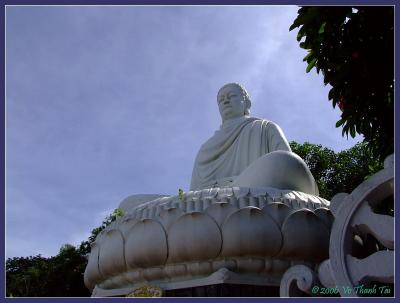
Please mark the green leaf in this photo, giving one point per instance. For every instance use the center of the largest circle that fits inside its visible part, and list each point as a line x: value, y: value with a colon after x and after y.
x: 352, y: 131
x: 301, y: 33
x: 181, y: 194
x: 322, y: 28
x: 118, y: 212
x: 311, y: 65
x: 345, y: 130
x: 310, y: 53
x: 340, y: 122
x: 293, y: 26
x: 331, y: 94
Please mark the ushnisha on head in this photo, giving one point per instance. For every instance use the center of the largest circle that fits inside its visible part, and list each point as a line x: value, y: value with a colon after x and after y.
x: 233, y: 101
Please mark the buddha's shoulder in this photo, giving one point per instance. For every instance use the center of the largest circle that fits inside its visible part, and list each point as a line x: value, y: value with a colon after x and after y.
x: 260, y: 121
x: 268, y: 124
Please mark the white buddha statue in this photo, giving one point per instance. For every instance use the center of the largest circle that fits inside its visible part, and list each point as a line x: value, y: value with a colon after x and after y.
x: 247, y: 151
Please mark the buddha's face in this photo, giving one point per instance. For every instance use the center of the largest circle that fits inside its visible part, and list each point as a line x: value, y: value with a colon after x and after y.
x: 231, y: 102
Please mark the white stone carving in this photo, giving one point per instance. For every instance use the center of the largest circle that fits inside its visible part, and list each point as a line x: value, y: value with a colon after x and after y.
x: 380, y: 226
x: 194, y: 236
x: 289, y: 172
x: 136, y: 200
x: 378, y: 266
x: 249, y: 231
x: 296, y: 280
x: 111, y: 254
x: 146, y: 244
x: 307, y: 226
x: 247, y: 151
x: 354, y: 222
x: 325, y: 274
x: 182, y: 241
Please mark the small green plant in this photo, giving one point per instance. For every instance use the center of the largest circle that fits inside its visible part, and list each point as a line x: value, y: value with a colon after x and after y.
x: 181, y: 194
x: 118, y: 212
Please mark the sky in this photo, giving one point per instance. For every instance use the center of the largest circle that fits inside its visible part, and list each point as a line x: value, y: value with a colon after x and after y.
x: 106, y: 102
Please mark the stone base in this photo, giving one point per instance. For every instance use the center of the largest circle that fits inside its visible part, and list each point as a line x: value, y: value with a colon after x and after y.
x: 246, y: 236
x: 225, y: 290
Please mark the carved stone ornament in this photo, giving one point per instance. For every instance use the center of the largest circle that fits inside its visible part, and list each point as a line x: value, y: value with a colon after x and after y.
x: 361, y: 249
x: 356, y: 222
x: 362, y: 241
x: 297, y: 279
x: 251, y: 235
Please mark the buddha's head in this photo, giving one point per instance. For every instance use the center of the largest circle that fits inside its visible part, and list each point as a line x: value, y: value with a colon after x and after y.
x: 233, y: 101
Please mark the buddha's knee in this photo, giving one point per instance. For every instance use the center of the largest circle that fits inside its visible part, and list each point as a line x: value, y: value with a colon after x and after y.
x: 279, y: 169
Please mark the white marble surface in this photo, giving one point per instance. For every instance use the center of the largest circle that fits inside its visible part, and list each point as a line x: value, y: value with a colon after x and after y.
x: 182, y: 240
x: 231, y: 157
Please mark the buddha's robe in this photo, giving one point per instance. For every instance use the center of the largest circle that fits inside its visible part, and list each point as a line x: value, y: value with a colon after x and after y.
x: 233, y: 148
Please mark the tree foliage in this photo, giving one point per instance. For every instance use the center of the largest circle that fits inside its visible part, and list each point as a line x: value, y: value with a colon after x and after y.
x: 338, y: 172
x: 36, y: 276
x: 58, y: 276
x: 353, y: 47
x: 84, y: 247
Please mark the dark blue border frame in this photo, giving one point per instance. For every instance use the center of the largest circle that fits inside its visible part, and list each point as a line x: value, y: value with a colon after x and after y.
x: 185, y: 2
x: 199, y: 2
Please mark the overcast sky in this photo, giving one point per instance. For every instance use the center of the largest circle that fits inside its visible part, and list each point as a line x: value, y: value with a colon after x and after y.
x: 106, y: 102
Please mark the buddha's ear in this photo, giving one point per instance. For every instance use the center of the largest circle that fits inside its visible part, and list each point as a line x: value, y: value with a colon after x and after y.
x: 247, y: 105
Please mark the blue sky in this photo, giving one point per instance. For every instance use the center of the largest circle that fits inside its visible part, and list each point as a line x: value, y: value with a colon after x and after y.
x: 106, y: 102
